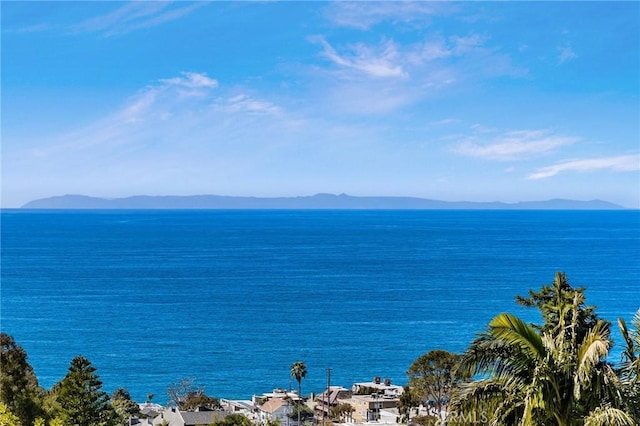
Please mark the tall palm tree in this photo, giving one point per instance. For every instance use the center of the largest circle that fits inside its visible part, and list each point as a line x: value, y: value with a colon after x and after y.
x: 554, y: 374
x: 631, y: 365
x: 629, y: 371
x: 299, y: 372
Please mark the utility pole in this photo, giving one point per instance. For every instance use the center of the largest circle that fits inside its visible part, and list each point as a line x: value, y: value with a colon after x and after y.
x: 328, y: 406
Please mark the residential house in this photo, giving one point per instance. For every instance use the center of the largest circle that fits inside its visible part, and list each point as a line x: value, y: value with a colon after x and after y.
x: 245, y: 407
x: 377, y: 385
x: 368, y: 407
x: 327, y: 400
x: 372, y: 401
x: 277, y: 405
x: 177, y: 417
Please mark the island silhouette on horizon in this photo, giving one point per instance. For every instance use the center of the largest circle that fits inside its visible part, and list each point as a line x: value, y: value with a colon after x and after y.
x: 312, y: 202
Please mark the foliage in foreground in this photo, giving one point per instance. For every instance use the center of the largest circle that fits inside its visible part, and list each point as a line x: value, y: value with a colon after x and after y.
x: 555, y: 373
x: 19, y: 389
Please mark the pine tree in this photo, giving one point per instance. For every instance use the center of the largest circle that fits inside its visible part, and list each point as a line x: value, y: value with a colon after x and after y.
x: 81, y: 397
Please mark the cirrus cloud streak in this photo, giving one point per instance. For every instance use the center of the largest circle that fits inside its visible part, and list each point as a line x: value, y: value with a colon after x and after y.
x: 514, y: 145
x: 620, y: 163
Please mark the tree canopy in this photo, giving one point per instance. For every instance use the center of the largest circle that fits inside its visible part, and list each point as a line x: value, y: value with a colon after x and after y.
x: 433, y: 376
x: 553, y: 373
x: 19, y: 389
x: 81, y: 398
x: 123, y: 405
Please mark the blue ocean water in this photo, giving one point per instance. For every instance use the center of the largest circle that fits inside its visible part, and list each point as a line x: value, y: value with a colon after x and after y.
x: 233, y: 298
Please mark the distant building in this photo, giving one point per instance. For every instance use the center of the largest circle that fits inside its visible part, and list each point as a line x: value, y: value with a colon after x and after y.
x: 381, y: 386
x: 373, y: 401
x: 177, y: 417
x: 277, y: 405
x: 237, y: 406
x: 368, y: 407
x: 327, y: 400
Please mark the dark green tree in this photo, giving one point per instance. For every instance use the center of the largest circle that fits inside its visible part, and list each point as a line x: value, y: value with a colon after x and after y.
x: 301, y: 411
x: 341, y: 411
x: 433, y: 376
x: 560, y: 304
x: 81, y: 398
x: 19, y: 389
x: 123, y: 406
x: 299, y: 372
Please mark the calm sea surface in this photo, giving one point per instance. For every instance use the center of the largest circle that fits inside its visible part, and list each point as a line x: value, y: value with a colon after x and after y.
x: 233, y: 298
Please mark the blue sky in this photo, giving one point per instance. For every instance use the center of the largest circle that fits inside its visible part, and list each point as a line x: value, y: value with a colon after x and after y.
x: 478, y: 101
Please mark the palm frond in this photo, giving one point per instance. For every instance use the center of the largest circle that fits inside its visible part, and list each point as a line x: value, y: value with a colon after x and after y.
x: 636, y: 325
x: 516, y: 332
x: 630, y: 365
x: 606, y: 416
x: 593, y: 348
x: 489, y: 399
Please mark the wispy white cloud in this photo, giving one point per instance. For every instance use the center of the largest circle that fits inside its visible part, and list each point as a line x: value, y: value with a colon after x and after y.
x: 375, y: 61
x: 136, y: 15
x: 171, y: 107
x: 191, y: 80
x: 366, y: 98
x: 131, y: 16
x: 514, y: 145
x: 444, y: 122
x: 226, y: 138
x: 429, y: 50
x: 387, y: 76
x: 245, y: 103
x: 565, y: 53
x: 36, y: 28
x: 620, y: 163
x: 190, y: 84
x: 364, y: 15
x: 166, y: 93
x: 465, y: 44
x: 428, y: 65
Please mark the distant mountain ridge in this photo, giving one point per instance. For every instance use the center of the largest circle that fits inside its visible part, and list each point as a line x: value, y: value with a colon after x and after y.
x: 318, y: 201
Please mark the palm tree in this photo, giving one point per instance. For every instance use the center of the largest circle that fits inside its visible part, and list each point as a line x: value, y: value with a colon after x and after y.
x: 631, y: 365
x: 553, y: 374
x: 299, y: 372
x: 629, y: 371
